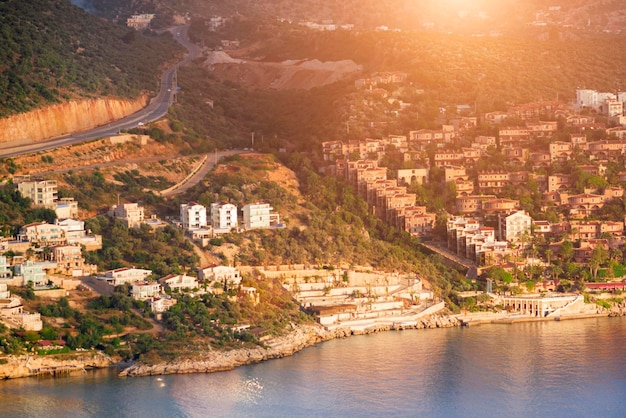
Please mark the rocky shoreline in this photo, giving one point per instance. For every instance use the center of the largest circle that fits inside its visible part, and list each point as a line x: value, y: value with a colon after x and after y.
x: 14, y: 367
x: 303, y: 336
x: 300, y: 337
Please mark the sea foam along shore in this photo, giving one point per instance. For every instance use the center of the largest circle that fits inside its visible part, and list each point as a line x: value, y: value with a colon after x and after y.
x: 299, y: 337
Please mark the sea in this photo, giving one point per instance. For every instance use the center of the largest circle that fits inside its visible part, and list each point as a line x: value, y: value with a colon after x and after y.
x: 573, y: 368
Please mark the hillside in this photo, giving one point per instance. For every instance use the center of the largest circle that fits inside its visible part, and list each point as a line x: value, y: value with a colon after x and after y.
x: 52, y: 51
x: 443, y: 16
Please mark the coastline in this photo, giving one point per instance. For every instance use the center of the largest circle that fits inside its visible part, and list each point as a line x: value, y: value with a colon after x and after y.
x: 54, y: 365
x: 303, y: 336
x: 298, y: 338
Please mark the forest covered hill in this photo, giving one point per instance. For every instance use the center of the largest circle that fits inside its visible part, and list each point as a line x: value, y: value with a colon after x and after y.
x: 52, y: 51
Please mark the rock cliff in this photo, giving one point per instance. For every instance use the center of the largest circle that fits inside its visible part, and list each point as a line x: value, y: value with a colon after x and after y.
x: 25, y: 366
x: 64, y: 118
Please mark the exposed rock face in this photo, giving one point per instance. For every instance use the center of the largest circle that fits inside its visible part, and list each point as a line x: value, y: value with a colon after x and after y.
x: 617, y: 309
x: 300, y: 337
x: 25, y: 366
x: 66, y: 118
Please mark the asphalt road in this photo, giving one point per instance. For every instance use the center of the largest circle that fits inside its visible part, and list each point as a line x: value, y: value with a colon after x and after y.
x: 156, y: 109
x: 194, y: 179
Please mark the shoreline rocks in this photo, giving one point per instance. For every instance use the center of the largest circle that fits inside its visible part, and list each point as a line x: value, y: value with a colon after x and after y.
x: 300, y: 337
x: 53, y: 365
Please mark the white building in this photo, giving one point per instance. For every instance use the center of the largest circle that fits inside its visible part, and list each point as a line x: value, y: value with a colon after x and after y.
x: 223, y: 216
x: 193, y: 216
x: 221, y: 275
x: 5, y: 269
x: 75, y: 234
x: 179, y: 281
x: 42, y: 233
x: 40, y: 192
x: 31, y: 272
x: 259, y: 215
x: 139, y: 22
x: 4, y: 291
x: 131, y: 213
x: 142, y: 291
x: 514, y: 226
x: 586, y: 98
x: 161, y: 304
x: 66, y: 207
x: 125, y: 275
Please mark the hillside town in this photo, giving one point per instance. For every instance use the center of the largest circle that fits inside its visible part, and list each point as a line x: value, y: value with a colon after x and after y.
x: 516, y: 189
x: 48, y: 259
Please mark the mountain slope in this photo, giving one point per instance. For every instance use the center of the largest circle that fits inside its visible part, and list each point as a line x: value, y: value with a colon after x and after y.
x: 51, y: 51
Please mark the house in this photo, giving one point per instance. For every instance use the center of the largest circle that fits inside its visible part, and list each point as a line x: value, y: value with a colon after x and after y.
x: 559, y: 182
x: 451, y: 173
x: 42, y: 234
x: 75, y: 234
x: 139, y: 22
x: 40, y: 192
x: 220, y: 276
x: 4, y: 291
x: 472, y: 204
x: 495, y: 118
x: 464, y: 187
x: 141, y: 291
x: 579, y: 141
x: 515, y: 155
x: 541, y: 227
x: 223, y: 216
x: 66, y: 207
x: 179, y: 281
x: 125, y: 275
x: 561, y: 151
x: 513, y: 136
x: 514, y: 226
x: 413, y: 175
x: 130, y: 213
x: 540, y: 159
x: 484, y: 142
x: 259, y: 215
x: 449, y: 158
x: 395, y: 202
x: 492, y: 181
x: 70, y: 261
x: 542, y: 128
x: 584, y: 204
x: 459, y: 227
x: 161, y: 304
x: 366, y: 175
x: 495, y: 206
x: 5, y: 269
x: 606, y: 150
x: 31, y: 272
x: 193, y: 216
x: 416, y: 220
x: 606, y: 287
x: 374, y: 186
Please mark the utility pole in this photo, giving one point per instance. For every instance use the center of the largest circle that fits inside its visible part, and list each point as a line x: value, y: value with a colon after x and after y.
x: 252, y: 139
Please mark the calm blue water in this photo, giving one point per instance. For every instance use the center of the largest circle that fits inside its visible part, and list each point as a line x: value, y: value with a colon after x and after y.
x: 548, y: 369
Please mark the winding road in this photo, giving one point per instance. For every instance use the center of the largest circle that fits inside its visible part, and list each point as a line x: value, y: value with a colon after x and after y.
x: 156, y: 109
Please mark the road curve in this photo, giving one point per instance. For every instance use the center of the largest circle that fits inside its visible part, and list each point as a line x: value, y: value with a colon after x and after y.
x: 209, y: 162
x: 156, y: 109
